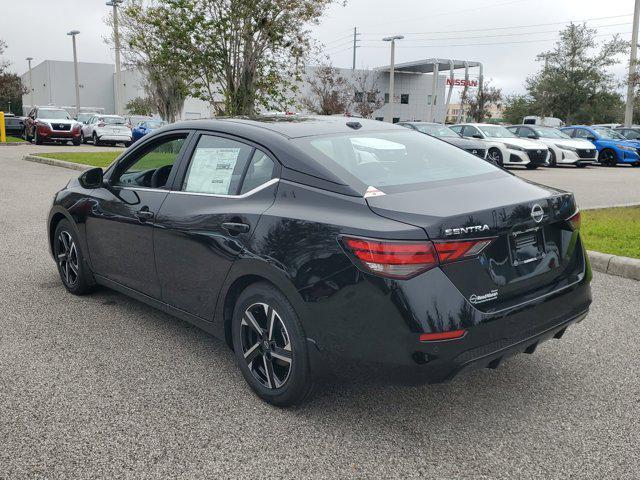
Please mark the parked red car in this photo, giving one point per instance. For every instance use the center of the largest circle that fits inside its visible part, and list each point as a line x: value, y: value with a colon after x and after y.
x: 49, y: 124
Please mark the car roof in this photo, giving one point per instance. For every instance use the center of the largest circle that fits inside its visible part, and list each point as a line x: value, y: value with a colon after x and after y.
x: 296, y: 126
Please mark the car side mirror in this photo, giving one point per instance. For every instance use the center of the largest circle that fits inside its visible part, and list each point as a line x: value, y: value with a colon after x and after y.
x: 476, y: 135
x: 591, y: 138
x: 92, y: 178
x: 533, y: 136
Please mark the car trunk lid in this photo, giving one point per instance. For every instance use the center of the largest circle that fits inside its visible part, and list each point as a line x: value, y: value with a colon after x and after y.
x: 533, y: 248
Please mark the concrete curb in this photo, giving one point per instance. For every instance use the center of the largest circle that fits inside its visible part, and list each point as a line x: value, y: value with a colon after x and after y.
x: 11, y: 144
x: 614, y: 265
x: 56, y: 163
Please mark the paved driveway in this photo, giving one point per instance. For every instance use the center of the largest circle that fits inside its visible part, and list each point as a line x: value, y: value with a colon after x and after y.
x: 105, y: 387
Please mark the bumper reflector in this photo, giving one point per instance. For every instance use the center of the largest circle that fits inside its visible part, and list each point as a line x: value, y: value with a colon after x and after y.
x: 451, y: 335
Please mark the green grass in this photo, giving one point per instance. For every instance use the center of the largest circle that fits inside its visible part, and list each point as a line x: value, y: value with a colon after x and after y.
x: 95, y: 159
x: 612, y: 230
x: 14, y: 139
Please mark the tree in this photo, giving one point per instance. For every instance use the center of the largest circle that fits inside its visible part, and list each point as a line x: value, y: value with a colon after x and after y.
x: 163, y: 77
x: 329, y: 92
x: 367, y: 98
x: 516, y: 107
x: 477, y: 104
x: 247, y: 53
x: 575, y: 72
x: 141, y: 106
x: 11, y: 87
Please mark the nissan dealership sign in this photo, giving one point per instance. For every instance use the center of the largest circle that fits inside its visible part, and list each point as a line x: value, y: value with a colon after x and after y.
x: 461, y: 82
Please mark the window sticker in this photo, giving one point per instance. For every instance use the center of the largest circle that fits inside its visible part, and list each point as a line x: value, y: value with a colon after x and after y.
x: 211, y: 170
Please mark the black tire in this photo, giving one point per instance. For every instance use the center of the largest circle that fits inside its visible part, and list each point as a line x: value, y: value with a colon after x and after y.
x: 553, y: 162
x: 96, y: 142
x: 77, y: 141
x: 608, y: 158
x: 531, y: 166
x: 494, y: 155
x: 74, y: 272
x: 127, y: 144
x: 581, y: 165
x: 84, y: 139
x: 37, y: 138
x: 276, y: 381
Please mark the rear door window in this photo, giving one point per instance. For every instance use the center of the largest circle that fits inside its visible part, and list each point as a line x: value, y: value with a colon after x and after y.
x: 261, y: 169
x: 217, y: 166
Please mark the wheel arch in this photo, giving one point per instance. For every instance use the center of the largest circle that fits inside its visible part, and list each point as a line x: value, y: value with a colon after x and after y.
x: 243, y: 274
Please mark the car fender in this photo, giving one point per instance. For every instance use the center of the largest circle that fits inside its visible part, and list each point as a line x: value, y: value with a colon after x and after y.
x: 55, y: 212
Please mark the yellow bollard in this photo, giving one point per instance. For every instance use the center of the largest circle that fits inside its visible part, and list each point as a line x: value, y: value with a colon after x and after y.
x: 3, y: 133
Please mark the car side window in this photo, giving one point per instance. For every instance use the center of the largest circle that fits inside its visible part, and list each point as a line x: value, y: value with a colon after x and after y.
x: 261, y: 169
x: 580, y: 133
x: 457, y: 129
x: 569, y: 131
x: 515, y: 130
x: 631, y: 134
x: 151, y: 168
x: 470, y: 131
x: 217, y: 166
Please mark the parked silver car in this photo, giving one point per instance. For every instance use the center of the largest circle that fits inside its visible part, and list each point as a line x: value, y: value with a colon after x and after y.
x: 106, y: 129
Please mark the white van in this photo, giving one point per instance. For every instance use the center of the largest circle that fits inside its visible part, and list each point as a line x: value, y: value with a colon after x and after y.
x: 543, y: 121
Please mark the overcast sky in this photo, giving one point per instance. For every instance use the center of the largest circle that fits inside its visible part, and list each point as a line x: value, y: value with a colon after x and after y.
x: 505, y: 35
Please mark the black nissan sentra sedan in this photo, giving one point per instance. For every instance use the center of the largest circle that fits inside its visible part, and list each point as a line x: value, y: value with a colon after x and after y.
x: 302, y: 239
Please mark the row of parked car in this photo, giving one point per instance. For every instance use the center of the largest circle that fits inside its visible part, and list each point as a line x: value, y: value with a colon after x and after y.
x: 533, y: 146
x: 52, y: 124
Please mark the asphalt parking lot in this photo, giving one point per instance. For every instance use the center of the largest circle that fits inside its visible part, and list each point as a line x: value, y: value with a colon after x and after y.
x: 105, y: 387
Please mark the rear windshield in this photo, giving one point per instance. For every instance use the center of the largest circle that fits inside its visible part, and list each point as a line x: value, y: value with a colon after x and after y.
x: 439, y: 131
x: 394, y: 158
x: 113, y: 120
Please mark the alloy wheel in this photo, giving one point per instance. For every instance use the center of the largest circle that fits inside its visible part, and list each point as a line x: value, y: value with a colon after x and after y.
x: 67, y: 258
x: 266, y: 345
x: 495, y: 157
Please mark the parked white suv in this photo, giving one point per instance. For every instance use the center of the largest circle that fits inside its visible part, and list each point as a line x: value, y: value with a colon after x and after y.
x: 504, y: 147
x: 106, y: 129
x: 563, y: 149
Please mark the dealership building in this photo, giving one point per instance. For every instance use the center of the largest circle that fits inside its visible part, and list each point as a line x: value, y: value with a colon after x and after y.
x: 423, y: 89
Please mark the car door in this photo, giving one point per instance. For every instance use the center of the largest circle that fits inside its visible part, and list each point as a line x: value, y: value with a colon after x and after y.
x: 208, y: 218
x: 119, y: 228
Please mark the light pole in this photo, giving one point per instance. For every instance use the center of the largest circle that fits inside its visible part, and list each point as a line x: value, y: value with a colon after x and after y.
x: 73, y: 34
x: 628, y: 112
x: 392, y: 70
x: 116, y: 41
x: 28, y: 59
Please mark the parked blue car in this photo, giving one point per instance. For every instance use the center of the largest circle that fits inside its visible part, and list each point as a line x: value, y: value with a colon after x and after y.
x: 141, y: 129
x: 613, y: 148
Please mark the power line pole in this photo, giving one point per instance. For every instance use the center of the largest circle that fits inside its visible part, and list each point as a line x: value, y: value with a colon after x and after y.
x: 30, y: 82
x: 628, y: 113
x: 355, y: 45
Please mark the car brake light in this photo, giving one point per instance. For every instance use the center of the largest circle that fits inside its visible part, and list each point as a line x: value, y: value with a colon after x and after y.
x: 452, y: 251
x: 102, y: 124
x: 392, y: 258
x: 450, y: 335
x: 400, y: 259
x: 575, y: 221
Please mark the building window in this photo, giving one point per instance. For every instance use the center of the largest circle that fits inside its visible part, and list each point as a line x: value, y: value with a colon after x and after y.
x: 386, y: 98
x: 404, y: 98
x: 428, y: 99
x: 359, y: 97
x: 380, y: 119
x: 396, y: 119
x: 435, y: 99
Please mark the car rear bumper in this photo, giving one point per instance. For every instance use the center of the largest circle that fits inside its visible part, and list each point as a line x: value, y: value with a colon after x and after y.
x: 379, y: 322
x: 114, y: 138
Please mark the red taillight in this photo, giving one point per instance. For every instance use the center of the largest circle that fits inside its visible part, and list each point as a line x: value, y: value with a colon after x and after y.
x: 451, y: 335
x: 574, y: 220
x: 102, y: 124
x: 393, y: 259
x: 452, y: 251
x: 406, y: 259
